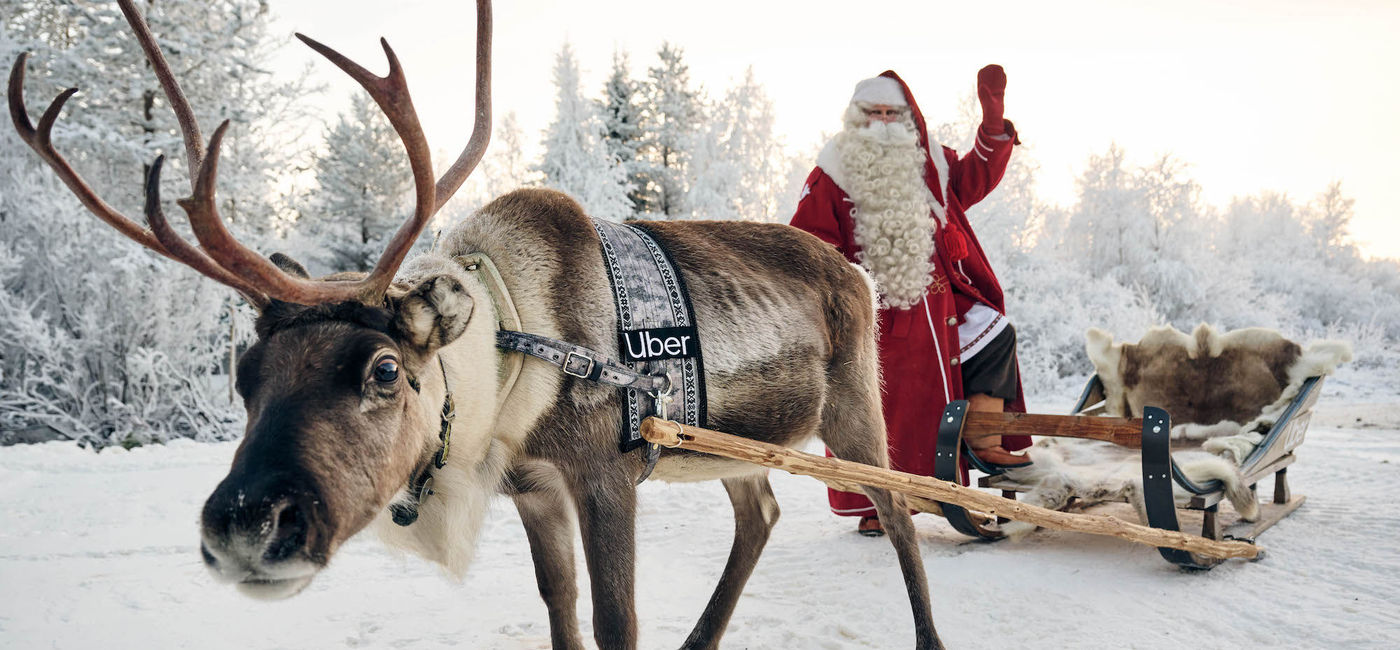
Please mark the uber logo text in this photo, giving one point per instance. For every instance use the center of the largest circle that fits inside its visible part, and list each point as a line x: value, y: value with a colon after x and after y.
x: 659, y: 343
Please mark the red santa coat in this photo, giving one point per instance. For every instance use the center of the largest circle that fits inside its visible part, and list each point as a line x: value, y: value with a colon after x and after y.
x: 919, y: 345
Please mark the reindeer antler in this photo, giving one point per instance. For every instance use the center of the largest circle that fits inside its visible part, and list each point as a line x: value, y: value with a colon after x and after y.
x: 40, y: 140
x: 222, y: 257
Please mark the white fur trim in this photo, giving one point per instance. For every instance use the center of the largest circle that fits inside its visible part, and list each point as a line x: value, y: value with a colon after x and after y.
x: 881, y: 169
x: 879, y: 90
x: 938, y: 350
x: 855, y: 511
x: 940, y: 167
x: 829, y: 160
x: 892, y: 201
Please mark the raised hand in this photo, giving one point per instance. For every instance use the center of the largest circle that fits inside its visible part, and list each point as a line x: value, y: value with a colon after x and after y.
x: 991, y: 92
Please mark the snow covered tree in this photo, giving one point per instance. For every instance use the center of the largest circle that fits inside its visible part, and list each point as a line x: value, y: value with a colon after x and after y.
x: 712, y: 172
x: 576, y: 158
x: 219, y: 50
x: 672, y: 114
x: 1108, y: 220
x: 505, y: 168
x: 106, y: 342
x: 1266, y: 219
x: 622, y: 124
x: 1328, y: 220
x: 737, y: 168
x: 1268, y: 235
x: 365, y: 188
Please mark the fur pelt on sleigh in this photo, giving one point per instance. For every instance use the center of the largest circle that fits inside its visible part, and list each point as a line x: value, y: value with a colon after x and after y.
x: 1223, y: 390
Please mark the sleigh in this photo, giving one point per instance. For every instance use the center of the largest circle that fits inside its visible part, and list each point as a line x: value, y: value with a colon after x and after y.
x: 1209, y: 382
x: 1160, y: 471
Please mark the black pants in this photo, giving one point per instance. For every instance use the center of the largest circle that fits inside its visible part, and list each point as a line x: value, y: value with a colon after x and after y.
x: 992, y: 371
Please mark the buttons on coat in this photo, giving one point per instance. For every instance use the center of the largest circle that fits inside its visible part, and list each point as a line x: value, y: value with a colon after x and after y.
x: 954, y: 362
x: 952, y: 320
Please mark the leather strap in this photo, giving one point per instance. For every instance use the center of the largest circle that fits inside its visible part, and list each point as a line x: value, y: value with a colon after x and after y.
x: 580, y: 362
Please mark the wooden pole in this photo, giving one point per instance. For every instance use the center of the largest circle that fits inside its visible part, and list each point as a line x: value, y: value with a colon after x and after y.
x: 845, y: 474
x: 1124, y: 432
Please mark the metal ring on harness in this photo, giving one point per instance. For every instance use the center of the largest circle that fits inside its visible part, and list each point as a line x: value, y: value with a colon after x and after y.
x: 661, y: 396
x: 664, y: 389
x: 679, y: 430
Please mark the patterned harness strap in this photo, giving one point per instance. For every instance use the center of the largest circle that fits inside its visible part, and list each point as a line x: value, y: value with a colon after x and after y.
x: 656, y: 331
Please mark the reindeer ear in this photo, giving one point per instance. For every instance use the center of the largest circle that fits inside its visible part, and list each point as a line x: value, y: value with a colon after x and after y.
x: 433, y: 312
x: 289, y: 265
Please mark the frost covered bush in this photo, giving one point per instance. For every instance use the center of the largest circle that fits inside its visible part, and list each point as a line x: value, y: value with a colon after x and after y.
x: 102, y: 341
x: 1052, y: 304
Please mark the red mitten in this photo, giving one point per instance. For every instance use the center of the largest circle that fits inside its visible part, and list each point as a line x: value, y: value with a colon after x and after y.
x: 991, y: 92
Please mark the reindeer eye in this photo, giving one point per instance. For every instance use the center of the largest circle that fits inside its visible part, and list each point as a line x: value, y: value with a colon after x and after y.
x: 386, y: 371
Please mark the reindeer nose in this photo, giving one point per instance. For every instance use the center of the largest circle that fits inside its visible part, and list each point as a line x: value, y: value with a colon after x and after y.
x: 251, y: 526
x: 288, y: 534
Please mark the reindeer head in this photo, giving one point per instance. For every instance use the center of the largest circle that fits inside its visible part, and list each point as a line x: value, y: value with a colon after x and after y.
x: 335, y: 422
x: 343, y: 404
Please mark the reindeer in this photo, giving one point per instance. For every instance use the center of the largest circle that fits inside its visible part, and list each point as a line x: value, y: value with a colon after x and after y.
x: 352, y: 379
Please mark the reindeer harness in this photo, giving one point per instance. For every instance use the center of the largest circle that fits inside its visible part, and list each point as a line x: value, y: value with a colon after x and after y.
x: 657, y: 339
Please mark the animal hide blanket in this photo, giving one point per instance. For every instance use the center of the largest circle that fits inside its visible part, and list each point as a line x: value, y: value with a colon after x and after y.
x: 1223, y: 392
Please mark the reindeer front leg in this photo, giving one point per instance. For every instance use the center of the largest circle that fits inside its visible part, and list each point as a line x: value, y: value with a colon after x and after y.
x: 540, y: 497
x: 607, y: 507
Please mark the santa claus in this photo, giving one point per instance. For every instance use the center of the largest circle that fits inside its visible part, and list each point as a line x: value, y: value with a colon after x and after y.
x: 894, y: 203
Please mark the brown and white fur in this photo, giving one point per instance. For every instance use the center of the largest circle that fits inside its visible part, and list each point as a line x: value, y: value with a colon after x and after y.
x: 788, y: 329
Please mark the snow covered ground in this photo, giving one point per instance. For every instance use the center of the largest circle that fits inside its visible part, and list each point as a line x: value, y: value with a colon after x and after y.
x: 101, y: 551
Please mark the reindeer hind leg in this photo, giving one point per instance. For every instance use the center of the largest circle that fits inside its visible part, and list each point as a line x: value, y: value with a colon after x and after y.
x: 853, y: 428
x: 755, y: 513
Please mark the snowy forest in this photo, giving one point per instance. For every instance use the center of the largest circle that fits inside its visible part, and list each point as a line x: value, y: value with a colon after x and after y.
x: 105, y: 343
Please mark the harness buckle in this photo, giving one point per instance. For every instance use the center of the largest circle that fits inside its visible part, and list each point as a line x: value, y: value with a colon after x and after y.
x: 578, y: 365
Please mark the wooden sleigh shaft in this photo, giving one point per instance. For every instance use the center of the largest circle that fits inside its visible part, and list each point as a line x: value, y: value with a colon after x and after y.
x: 847, y: 476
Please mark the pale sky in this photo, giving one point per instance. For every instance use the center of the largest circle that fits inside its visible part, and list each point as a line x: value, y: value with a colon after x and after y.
x: 1281, y: 95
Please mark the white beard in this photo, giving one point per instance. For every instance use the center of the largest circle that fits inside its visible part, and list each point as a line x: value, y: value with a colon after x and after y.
x: 883, y: 173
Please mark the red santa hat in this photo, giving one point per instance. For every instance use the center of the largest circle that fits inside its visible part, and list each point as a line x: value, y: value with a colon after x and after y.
x: 879, y: 90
